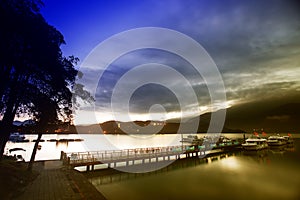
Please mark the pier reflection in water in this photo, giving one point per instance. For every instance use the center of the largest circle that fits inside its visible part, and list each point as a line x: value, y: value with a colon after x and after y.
x: 112, y: 176
x: 269, y: 174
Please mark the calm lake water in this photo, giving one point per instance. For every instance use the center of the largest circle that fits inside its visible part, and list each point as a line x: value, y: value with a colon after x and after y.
x: 269, y: 174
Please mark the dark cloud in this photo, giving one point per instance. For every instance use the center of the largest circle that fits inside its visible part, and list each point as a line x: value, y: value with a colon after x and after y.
x: 263, y: 91
x: 147, y: 95
x: 255, y: 44
x: 233, y: 31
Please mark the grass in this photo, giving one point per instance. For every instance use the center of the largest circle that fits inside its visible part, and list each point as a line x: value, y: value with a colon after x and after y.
x: 14, y: 176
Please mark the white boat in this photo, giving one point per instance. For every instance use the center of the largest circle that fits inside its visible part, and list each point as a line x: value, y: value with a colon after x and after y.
x: 17, y: 153
x: 254, y: 144
x: 191, y: 139
x: 276, y: 140
x: 224, y: 141
x: 288, y: 139
x: 16, y: 137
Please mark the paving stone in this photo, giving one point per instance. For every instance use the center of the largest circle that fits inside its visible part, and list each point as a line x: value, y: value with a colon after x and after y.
x: 56, y: 182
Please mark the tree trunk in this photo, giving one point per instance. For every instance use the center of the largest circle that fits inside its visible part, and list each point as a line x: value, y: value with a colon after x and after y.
x: 9, y: 115
x: 34, y: 152
x: 6, y: 126
x: 5, y: 72
x: 3, y: 140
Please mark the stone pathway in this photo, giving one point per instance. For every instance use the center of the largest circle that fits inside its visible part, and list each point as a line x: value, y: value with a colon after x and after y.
x: 56, y: 182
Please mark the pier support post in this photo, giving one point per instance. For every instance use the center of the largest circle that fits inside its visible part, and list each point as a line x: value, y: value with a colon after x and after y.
x: 62, y: 155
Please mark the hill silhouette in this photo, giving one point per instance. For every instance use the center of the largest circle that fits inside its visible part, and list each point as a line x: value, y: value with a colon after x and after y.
x: 273, y: 116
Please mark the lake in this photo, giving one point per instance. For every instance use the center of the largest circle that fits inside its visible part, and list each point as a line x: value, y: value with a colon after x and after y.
x: 268, y: 174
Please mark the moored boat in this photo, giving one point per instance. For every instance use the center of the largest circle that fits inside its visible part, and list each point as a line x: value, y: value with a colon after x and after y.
x: 16, y: 137
x: 276, y: 140
x: 224, y: 141
x: 191, y: 139
x: 289, y: 140
x: 254, y: 144
x: 17, y: 153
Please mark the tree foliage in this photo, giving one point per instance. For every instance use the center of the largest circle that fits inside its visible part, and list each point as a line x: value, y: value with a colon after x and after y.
x: 35, y: 77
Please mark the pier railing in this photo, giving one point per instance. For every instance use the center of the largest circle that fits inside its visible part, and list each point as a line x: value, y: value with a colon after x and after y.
x: 78, y: 158
x: 131, y: 156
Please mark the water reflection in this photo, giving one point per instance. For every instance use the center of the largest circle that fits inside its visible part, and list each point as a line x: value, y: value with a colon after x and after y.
x: 108, y: 176
x: 228, y: 161
x: 62, y: 144
x: 267, y: 174
x: 231, y: 164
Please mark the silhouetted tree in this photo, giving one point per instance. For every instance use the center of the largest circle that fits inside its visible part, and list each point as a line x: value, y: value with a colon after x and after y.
x: 35, y: 78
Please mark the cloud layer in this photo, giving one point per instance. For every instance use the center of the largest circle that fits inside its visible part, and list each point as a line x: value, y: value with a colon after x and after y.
x: 255, y: 45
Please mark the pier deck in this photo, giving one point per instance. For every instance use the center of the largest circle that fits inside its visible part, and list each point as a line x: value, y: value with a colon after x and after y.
x: 127, y: 157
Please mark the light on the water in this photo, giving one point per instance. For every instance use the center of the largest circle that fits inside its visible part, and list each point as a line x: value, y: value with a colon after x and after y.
x: 231, y: 163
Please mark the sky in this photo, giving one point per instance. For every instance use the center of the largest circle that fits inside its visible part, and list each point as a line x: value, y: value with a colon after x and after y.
x: 255, y: 46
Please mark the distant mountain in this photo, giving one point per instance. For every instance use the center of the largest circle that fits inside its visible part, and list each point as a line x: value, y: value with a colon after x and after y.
x: 146, y: 127
x: 31, y: 126
x: 24, y: 123
x: 270, y: 115
x: 270, y: 118
x: 17, y: 123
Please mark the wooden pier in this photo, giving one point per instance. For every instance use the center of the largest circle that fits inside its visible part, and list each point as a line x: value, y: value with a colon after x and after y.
x: 130, y: 157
